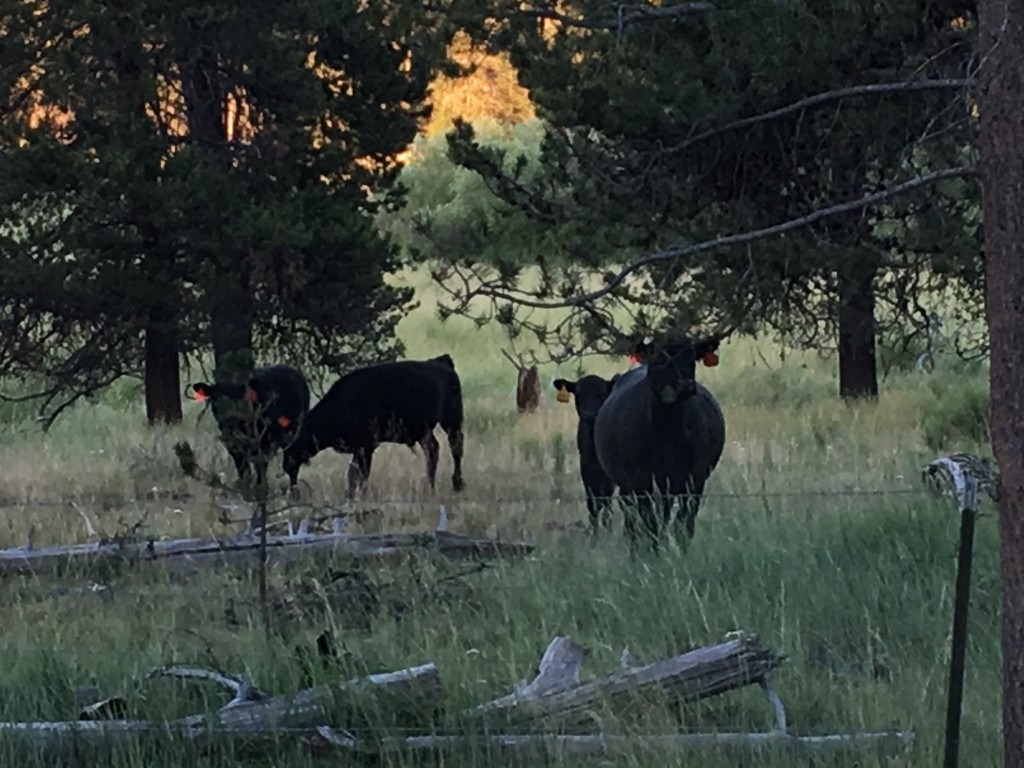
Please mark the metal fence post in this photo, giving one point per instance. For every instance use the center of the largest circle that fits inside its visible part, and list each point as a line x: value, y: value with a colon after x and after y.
x: 965, y: 486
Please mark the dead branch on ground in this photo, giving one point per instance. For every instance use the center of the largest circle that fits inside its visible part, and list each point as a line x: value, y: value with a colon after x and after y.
x: 191, y: 555
x: 554, y: 695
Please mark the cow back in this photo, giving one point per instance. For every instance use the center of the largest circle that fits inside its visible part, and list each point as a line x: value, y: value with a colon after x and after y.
x: 390, y: 401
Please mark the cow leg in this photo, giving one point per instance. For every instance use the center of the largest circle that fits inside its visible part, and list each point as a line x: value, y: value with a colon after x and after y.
x: 641, y: 521
x: 599, y: 503
x: 649, y: 518
x: 359, y: 470
x: 690, y: 503
x: 593, y: 509
x: 260, y: 465
x: 431, y: 448
x: 667, y: 501
x: 605, y: 503
x: 456, y: 442
x: 629, y: 519
x: 241, y: 464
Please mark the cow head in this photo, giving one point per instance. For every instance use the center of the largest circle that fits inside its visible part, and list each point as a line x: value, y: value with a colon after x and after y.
x: 672, y: 367
x: 589, y: 394
x: 298, y: 452
x: 252, y: 392
x: 210, y: 392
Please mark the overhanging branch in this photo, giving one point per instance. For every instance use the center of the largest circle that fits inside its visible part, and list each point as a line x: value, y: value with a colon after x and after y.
x: 675, y: 252
x: 867, y: 89
x: 626, y: 15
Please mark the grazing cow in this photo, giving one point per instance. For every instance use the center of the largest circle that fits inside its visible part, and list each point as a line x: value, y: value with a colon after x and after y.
x: 589, y: 394
x: 398, y: 402
x: 259, y: 417
x: 659, y: 430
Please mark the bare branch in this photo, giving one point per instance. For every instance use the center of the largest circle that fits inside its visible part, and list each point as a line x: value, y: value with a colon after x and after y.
x: 233, y: 684
x: 868, y: 89
x: 623, y: 18
x: 675, y: 252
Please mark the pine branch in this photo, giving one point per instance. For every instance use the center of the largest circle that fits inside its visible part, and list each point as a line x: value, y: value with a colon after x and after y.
x: 868, y: 89
x: 623, y: 18
x: 676, y: 252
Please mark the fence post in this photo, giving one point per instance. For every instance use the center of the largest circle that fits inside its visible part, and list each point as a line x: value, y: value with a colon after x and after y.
x: 965, y: 486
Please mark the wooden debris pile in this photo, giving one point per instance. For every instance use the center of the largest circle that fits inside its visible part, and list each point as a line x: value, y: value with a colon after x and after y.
x: 554, y: 711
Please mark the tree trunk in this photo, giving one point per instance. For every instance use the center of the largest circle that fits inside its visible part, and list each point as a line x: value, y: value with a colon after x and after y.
x: 162, y: 376
x: 229, y: 294
x: 1001, y: 93
x: 232, y: 328
x: 858, y: 370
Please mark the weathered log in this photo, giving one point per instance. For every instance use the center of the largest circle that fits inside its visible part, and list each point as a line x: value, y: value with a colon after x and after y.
x: 196, y: 554
x: 884, y: 743
x: 689, y: 676
x: 554, y: 694
x: 413, y: 689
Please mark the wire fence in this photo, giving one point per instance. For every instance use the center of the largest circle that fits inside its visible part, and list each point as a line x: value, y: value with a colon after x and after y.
x: 443, y: 497
x: 233, y: 497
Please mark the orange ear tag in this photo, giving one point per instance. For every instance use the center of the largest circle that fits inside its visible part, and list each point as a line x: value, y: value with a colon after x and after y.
x: 563, y: 395
x: 200, y: 396
x: 711, y: 359
x: 634, y: 357
x: 284, y: 421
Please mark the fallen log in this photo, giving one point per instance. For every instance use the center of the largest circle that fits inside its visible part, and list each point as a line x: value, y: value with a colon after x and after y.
x: 189, y: 555
x: 412, y: 690
x: 556, y: 698
x: 555, y: 693
x: 884, y: 743
x: 415, y: 689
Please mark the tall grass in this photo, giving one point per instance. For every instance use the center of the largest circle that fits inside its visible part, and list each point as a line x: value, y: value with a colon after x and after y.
x: 787, y: 546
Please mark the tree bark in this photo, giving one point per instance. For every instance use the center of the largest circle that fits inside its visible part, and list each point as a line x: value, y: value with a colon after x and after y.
x: 1001, y: 93
x: 231, y: 319
x: 858, y: 370
x: 162, y: 374
x: 229, y: 295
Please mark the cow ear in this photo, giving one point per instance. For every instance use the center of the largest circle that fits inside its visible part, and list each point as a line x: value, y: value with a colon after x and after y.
x: 250, y: 394
x: 201, y: 391
x: 707, y: 351
x: 565, y: 390
x: 640, y: 350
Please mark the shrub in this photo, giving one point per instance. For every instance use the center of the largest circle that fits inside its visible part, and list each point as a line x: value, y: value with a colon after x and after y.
x: 956, y: 411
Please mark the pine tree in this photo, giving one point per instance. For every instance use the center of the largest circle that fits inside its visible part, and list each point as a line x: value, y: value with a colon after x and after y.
x: 215, y: 184
x: 663, y: 135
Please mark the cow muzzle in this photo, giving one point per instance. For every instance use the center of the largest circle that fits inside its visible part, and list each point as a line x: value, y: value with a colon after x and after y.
x: 670, y: 394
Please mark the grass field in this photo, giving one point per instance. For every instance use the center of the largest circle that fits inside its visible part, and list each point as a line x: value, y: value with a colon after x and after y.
x: 787, y: 547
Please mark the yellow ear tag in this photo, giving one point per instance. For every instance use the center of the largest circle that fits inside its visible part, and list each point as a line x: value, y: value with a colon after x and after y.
x: 563, y: 395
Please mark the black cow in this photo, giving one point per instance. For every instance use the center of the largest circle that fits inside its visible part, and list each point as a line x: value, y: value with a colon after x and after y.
x: 398, y: 402
x: 259, y: 417
x: 659, y: 430
x: 589, y: 394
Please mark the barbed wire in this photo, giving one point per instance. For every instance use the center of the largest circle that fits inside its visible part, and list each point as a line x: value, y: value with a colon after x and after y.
x: 454, y: 500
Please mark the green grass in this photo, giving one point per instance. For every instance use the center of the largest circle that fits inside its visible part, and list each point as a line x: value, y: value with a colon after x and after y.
x: 870, y: 577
